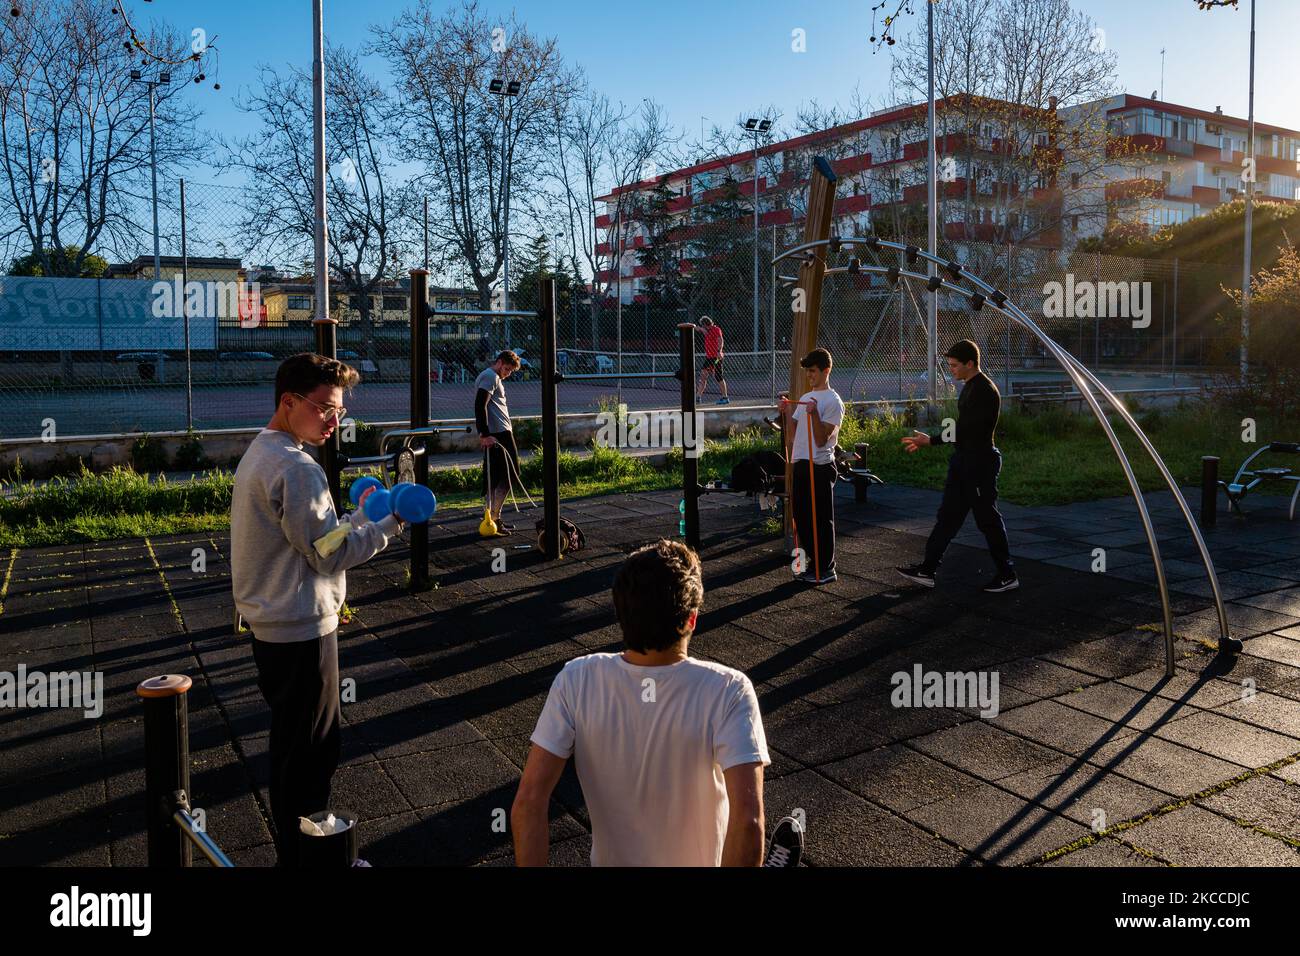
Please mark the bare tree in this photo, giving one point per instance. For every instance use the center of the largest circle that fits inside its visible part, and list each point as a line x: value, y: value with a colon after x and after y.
x: 1005, y: 69
x: 74, y: 131
x: 600, y: 149
x: 443, y: 63
x: 365, y: 246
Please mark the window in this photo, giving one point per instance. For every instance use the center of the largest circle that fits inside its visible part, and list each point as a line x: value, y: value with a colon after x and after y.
x: 394, y: 303
x: 1074, y: 223
x: 1074, y: 180
x: 299, y: 303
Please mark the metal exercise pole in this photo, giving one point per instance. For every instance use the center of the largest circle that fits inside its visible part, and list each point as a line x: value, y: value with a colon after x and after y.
x: 692, y: 434
x: 166, y: 766
x: 185, y: 314
x: 1209, y: 490
x: 550, y: 543
x: 420, y: 415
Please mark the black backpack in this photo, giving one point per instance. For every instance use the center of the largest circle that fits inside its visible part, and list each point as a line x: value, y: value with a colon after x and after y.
x: 571, y: 536
x: 763, y: 472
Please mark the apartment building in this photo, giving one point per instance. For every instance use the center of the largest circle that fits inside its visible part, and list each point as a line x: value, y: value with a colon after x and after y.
x: 1191, y: 161
x: 1008, y: 174
x: 881, y: 165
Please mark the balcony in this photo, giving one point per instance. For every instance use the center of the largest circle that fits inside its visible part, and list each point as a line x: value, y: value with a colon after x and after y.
x: 1275, y: 164
x: 1134, y: 143
x: 1135, y: 189
x: 679, y: 204
x: 1207, y: 154
x: 917, y: 192
x: 777, y: 217
x: 604, y: 221
x: 852, y: 164
x: 852, y: 204
x: 978, y: 231
x: 1207, y: 195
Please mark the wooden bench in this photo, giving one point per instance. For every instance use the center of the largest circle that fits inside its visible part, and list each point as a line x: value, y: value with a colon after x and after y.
x: 1036, y: 393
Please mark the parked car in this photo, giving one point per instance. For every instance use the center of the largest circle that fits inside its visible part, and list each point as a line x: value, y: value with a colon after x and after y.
x: 246, y: 357
x: 147, y: 364
x: 365, y: 366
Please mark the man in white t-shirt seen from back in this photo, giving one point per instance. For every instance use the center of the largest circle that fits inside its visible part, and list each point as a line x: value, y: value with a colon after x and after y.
x: 669, y: 750
x: 812, y: 490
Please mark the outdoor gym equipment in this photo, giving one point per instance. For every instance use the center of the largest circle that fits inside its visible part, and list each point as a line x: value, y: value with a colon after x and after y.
x: 1237, y: 489
x: 810, y: 255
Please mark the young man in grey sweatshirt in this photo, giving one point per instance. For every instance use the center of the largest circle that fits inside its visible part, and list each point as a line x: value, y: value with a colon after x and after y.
x: 288, y: 594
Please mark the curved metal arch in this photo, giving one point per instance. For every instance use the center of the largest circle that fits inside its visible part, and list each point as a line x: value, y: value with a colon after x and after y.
x: 1081, y: 377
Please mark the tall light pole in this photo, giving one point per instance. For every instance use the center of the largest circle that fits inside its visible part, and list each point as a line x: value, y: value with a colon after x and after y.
x: 504, y: 89
x: 1250, y: 189
x: 932, y: 224
x: 756, y: 127
x: 326, y: 340
x: 163, y: 78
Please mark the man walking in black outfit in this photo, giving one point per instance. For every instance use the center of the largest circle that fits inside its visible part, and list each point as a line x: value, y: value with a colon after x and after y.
x: 972, y: 483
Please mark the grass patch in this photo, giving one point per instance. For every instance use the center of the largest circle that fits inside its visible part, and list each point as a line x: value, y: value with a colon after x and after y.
x: 1051, y: 458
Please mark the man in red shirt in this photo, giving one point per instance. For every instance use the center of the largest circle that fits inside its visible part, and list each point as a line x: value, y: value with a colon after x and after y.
x: 712, y: 359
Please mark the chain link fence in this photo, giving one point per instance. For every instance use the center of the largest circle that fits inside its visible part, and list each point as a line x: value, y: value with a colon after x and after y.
x: 107, y: 354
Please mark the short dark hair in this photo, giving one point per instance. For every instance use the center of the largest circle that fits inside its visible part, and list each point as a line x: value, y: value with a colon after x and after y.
x: 817, y: 358
x: 964, y: 351
x: 656, y: 591
x: 306, y: 371
x: 509, y: 357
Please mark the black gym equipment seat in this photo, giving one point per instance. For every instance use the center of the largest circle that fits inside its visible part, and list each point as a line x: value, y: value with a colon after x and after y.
x: 1237, y: 489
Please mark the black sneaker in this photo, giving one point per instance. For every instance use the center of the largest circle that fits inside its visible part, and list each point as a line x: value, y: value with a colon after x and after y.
x: 827, y: 578
x: 1002, y: 581
x: 787, y: 844
x: 917, y: 575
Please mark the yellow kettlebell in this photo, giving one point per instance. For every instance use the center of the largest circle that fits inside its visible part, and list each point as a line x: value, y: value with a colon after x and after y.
x: 487, y: 527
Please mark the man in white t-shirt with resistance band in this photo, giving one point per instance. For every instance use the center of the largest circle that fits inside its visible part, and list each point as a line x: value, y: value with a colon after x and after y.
x: 816, y: 418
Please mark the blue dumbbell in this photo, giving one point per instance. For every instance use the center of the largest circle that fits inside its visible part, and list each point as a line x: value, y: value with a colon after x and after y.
x: 412, y: 503
x: 360, y: 485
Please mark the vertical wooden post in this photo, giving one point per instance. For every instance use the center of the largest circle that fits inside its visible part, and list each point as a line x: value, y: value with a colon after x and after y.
x: 803, y: 335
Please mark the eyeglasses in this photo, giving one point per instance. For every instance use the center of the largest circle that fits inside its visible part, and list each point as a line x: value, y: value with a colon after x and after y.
x: 327, y: 411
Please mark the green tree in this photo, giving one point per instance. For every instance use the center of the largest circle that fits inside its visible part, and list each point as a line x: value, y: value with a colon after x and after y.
x: 722, y: 256
x: 663, y: 252
x: 63, y: 262
x: 538, y: 262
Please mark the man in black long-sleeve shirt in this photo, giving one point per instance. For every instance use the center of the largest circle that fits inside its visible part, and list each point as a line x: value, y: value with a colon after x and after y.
x: 972, y: 483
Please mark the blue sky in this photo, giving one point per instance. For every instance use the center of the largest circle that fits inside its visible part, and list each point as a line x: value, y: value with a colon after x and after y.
x: 726, y: 58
